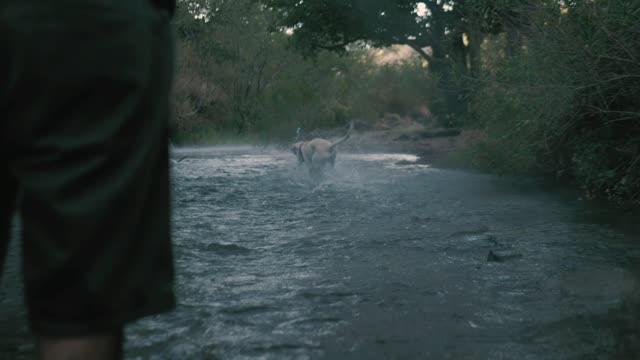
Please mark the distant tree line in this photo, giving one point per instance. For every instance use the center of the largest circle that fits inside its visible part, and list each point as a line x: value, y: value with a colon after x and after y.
x: 552, y: 84
x: 239, y: 76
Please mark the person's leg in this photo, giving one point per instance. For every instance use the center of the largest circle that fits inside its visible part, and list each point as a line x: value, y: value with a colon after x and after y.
x: 92, y: 159
x: 8, y: 194
x: 8, y: 185
x: 96, y: 347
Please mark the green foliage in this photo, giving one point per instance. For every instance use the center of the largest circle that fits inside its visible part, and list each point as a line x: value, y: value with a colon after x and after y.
x: 552, y: 86
x: 394, y: 88
x: 235, y: 76
x: 336, y: 25
x: 568, y: 104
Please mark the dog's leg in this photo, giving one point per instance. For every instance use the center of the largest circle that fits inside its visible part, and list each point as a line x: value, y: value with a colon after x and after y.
x: 316, y: 174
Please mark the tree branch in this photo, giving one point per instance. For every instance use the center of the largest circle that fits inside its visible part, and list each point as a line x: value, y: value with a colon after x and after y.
x: 421, y: 51
x: 335, y: 47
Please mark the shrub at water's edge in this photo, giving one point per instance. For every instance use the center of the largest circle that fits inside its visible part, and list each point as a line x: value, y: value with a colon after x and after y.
x: 567, y: 105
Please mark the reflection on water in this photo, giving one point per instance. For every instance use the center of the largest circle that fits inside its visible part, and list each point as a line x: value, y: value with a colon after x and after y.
x: 381, y: 157
x: 385, y: 259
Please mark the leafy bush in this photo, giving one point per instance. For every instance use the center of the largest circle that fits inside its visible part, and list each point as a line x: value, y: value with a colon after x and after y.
x: 238, y: 77
x: 568, y: 104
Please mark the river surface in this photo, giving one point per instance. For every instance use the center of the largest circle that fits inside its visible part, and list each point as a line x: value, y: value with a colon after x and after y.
x: 380, y: 261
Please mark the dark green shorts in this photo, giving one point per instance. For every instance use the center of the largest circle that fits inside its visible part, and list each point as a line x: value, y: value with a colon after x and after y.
x: 84, y: 108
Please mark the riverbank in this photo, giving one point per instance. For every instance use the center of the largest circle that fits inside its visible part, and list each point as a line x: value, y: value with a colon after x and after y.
x: 434, y: 146
x: 463, y: 149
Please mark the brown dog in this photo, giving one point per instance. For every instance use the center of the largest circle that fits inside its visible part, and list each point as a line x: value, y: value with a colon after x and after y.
x: 317, y: 153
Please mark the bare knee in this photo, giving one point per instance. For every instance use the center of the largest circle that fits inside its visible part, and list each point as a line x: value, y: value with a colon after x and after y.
x: 99, y: 347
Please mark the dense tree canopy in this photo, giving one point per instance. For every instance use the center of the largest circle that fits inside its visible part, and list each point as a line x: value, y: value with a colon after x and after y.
x: 334, y: 24
x: 438, y: 25
x: 446, y: 33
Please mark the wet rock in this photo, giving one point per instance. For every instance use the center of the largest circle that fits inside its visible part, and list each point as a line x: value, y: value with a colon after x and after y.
x: 492, y: 257
x: 426, y: 152
x: 389, y: 121
x: 362, y: 125
x: 405, y: 162
x: 425, y: 156
x: 419, y: 219
x: 440, y: 133
x: 423, y: 161
x: 500, y: 257
x: 403, y: 137
x: 494, y: 240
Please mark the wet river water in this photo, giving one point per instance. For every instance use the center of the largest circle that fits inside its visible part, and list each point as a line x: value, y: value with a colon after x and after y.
x: 380, y: 261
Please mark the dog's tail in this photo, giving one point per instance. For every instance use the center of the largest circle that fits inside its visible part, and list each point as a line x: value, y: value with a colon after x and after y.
x: 345, y: 137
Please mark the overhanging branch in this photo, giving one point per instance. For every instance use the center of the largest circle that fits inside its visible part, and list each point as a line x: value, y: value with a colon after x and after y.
x: 421, y: 51
x: 333, y: 47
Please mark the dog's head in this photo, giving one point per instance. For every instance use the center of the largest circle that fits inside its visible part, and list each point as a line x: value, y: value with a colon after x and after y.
x: 296, y: 149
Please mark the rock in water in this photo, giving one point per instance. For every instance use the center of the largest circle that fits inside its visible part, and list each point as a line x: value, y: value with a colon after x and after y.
x: 492, y: 257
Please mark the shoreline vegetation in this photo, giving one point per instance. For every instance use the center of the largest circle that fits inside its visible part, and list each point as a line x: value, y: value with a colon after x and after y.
x: 527, y: 88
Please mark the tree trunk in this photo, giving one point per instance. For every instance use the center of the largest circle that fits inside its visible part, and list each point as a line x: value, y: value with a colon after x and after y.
x: 475, y: 38
x: 514, y: 42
